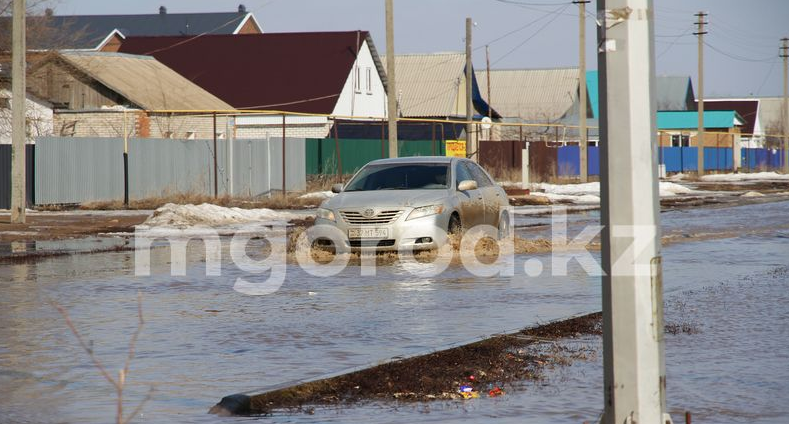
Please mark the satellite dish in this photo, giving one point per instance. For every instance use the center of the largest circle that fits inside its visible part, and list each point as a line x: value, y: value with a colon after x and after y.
x: 486, y: 123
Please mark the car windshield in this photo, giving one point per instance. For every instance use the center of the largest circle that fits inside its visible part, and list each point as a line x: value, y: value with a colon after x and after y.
x: 400, y: 177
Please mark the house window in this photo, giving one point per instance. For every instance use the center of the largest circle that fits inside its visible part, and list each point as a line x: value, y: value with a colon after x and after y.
x: 357, y: 81
x: 369, y: 80
x: 680, y: 140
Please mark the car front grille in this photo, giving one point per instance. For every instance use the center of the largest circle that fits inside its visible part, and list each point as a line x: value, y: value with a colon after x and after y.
x: 371, y: 243
x: 382, y: 217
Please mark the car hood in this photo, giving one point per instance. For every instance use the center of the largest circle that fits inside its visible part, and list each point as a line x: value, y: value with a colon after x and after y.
x: 386, y: 198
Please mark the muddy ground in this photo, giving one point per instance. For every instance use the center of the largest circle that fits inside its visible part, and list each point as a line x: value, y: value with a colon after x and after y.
x: 490, y: 365
x: 51, y: 226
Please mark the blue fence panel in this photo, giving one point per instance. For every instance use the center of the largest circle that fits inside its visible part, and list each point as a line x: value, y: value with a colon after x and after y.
x: 717, y: 159
x: 593, y: 160
x: 689, y: 159
x: 757, y: 158
x: 569, y: 160
x: 672, y: 158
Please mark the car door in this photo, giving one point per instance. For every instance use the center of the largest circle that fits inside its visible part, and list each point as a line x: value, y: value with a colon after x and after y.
x: 490, y: 193
x: 472, y: 202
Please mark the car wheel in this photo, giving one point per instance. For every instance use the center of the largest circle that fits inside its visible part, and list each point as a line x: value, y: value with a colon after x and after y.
x: 504, y: 226
x: 454, y: 227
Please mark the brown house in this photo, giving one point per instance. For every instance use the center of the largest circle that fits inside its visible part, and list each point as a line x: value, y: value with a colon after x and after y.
x: 97, y: 94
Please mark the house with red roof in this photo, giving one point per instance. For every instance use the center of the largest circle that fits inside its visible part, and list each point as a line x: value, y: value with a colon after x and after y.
x: 312, y: 74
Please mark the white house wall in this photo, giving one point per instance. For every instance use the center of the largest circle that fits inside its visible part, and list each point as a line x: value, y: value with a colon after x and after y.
x: 38, y: 117
x: 363, y: 104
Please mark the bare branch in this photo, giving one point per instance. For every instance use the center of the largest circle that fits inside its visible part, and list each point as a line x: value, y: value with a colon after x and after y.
x: 139, y: 407
x: 84, y: 345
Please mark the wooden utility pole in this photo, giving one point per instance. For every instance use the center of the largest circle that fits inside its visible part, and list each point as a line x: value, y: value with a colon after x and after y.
x: 471, y: 144
x: 391, y: 92
x: 582, y: 141
x: 632, y: 286
x: 18, y: 106
x: 700, y: 133
x: 785, y: 55
x: 490, y: 103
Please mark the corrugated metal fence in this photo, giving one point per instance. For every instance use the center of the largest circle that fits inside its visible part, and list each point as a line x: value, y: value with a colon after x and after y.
x: 322, y: 156
x: 79, y: 170
x: 5, y: 175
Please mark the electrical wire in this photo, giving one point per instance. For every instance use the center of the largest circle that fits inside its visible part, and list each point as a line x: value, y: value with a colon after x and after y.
x: 520, y: 28
x: 737, y: 57
x: 527, y: 39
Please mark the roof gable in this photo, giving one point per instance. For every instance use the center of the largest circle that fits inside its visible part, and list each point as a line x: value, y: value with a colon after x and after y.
x: 673, y: 93
x: 142, y: 80
x: 86, y: 32
x: 295, y: 72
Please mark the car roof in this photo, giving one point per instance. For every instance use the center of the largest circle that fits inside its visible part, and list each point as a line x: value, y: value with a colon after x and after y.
x: 414, y: 159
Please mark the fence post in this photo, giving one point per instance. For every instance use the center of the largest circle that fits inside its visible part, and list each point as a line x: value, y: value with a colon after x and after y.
x: 337, y: 147
x: 383, y: 148
x: 216, y: 165
x: 284, y: 190
x: 125, y: 162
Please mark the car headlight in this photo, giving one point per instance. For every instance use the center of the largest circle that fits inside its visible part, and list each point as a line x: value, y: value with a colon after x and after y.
x: 326, y: 214
x: 425, y: 211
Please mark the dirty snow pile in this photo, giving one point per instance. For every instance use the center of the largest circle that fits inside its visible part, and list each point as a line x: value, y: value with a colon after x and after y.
x: 588, y: 193
x: 172, y: 215
x: 745, y: 177
x: 317, y: 195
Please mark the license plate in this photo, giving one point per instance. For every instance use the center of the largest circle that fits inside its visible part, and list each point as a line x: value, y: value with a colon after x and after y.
x: 368, y: 233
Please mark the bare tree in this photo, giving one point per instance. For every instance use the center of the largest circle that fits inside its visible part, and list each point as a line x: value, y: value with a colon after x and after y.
x: 118, y: 383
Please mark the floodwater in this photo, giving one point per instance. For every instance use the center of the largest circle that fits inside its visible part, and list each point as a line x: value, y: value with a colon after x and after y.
x: 202, y: 340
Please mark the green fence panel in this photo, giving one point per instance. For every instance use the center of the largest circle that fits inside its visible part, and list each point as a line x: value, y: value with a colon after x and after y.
x: 321, y: 153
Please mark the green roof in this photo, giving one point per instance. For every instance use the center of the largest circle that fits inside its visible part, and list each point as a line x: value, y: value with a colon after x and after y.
x: 675, y: 120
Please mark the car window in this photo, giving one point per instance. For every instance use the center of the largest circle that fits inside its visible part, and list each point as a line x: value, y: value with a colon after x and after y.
x: 462, y: 173
x: 400, y: 177
x: 479, y: 175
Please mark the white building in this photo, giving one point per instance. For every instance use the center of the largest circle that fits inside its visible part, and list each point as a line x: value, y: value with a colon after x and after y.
x: 38, y: 117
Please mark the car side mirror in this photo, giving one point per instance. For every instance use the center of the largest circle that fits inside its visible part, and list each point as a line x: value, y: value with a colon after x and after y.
x: 466, y: 185
x: 337, y: 188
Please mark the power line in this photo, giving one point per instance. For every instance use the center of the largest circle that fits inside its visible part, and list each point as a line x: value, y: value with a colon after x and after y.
x: 529, y: 38
x: 737, y: 57
x: 521, y: 28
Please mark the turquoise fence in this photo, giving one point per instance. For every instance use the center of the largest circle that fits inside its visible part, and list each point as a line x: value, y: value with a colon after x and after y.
x: 322, y: 158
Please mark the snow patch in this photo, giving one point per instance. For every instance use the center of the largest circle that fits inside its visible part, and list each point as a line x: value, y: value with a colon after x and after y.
x: 317, y: 195
x: 753, y: 194
x: 745, y: 177
x: 181, y: 216
x: 590, y: 192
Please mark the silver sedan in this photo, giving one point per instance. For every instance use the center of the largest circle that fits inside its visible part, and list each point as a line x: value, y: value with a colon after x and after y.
x: 392, y: 204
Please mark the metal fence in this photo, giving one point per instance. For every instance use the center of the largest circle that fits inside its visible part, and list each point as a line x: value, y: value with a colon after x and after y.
x: 5, y: 175
x: 79, y: 170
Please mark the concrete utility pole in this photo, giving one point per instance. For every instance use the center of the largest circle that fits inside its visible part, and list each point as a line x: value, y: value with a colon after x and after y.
x: 19, y: 103
x: 785, y: 55
x: 582, y: 142
x: 471, y: 144
x: 391, y: 93
x: 634, y: 368
x: 700, y: 133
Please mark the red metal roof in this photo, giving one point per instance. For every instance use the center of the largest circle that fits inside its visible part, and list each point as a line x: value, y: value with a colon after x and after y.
x: 748, y: 109
x: 295, y: 72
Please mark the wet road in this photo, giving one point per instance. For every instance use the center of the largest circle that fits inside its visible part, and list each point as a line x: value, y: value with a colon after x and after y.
x: 202, y: 340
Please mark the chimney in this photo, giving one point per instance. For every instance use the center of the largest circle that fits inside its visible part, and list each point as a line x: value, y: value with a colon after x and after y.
x: 242, y: 8
x: 162, y: 10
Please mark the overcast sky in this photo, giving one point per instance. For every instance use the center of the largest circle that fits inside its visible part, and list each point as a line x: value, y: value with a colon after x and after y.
x: 741, y: 58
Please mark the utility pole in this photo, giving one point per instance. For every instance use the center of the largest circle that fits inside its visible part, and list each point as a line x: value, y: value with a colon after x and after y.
x: 391, y: 93
x: 18, y: 106
x: 471, y: 144
x: 700, y: 134
x: 632, y: 288
x: 490, y: 103
x: 582, y: 142
x: 785, y: 55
